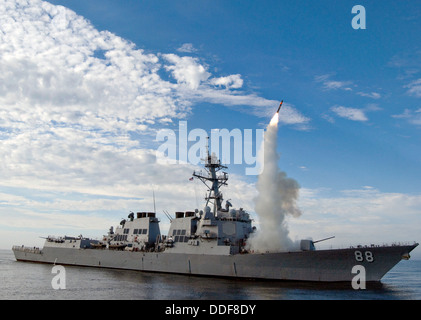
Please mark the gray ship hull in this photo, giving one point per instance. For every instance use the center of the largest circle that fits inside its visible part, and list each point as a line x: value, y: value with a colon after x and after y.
x: 322, y: 265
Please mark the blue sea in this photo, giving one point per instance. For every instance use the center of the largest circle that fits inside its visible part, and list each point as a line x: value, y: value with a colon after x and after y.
x: 30, y: 281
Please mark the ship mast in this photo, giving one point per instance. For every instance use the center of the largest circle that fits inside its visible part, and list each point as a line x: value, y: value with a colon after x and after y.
x: 212, y: 180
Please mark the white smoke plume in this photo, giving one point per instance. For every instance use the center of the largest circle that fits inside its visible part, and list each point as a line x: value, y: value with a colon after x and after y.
x: 277, y: 198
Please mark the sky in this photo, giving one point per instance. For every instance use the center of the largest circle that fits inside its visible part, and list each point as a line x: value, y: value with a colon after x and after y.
x: 86, y: 86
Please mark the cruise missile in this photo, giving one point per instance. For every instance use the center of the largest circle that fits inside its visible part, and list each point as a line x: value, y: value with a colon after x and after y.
x: 279, y: 108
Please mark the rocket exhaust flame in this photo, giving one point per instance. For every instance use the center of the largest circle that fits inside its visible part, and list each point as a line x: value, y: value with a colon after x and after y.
x: 275, y: 120
x: 277, y: 199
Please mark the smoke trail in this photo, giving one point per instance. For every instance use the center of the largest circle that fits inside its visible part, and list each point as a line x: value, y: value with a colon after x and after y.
x: 277, y: 196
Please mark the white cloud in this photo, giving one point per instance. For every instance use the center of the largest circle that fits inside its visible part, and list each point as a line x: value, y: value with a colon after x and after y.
x: 233, y: 81
x: 349, y: 113
x: 49, y: 72
x: 57, y: 67
x: 337, y: 85
x: 186, y: 70
x: 187, y: 48
x: 374, y: 95
x: 373, y: 107
x: 414, y: 88
x: 412, y: 116
x: 329, y: 84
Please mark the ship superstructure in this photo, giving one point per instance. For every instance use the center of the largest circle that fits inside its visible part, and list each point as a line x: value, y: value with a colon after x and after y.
x: 215, y: 229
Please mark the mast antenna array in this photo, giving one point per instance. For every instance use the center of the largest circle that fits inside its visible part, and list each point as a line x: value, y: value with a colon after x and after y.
x: 213, y: 181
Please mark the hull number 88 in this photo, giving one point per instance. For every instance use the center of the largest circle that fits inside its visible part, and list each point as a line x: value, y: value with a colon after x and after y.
x: 367, y: 255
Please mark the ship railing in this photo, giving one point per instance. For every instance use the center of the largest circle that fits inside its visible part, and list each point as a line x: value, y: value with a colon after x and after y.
x: 393, y: 244
x: 27, y: 249
x: 367, y: 246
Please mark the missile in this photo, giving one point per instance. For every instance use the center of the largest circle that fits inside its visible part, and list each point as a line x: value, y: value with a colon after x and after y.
x: 279, y: 108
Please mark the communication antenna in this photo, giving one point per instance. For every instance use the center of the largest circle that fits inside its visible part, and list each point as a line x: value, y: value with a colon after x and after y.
x: 154, y: 207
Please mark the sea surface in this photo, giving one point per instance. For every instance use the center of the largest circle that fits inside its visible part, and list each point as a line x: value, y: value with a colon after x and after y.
x: 31, y: 281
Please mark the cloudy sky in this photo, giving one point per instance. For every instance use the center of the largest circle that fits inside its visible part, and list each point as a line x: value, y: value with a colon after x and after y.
x: 85, y: 86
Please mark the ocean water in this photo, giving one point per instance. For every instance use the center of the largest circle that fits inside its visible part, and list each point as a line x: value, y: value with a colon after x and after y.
x: 31, y: 281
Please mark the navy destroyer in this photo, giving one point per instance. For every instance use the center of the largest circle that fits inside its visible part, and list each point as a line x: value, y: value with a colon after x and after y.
x: 211, y: 242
